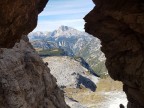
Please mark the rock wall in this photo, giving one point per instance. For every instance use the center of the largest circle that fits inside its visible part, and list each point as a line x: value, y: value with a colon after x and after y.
x: 25, y: 81
x: 119, y: 24
x: 17, y: 18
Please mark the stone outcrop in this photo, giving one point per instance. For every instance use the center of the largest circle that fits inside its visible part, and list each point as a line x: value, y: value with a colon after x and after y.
x: 119, y: 24
x: 70, y: 73
x: 17, y: 18
x: 25, y: 81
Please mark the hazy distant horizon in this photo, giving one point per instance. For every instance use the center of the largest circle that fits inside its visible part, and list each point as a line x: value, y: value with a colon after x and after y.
x: 64, y: 12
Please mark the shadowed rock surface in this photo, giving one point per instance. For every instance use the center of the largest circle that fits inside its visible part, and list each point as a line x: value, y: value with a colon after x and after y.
x: 119, y: 24
x: 25, y: 81
x: 17, y: 18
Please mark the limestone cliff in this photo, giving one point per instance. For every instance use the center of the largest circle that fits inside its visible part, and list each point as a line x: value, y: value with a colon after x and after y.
x: 119, y: 24
x: 25, y: 81
x: 17, y: 18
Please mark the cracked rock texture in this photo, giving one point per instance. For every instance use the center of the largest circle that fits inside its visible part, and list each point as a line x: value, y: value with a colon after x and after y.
x: 17, y: 18
x: 25, y: 81
x: 119, y: 24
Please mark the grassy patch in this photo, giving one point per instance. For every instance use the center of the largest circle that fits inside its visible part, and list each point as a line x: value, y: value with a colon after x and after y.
x: 51, y: 52
x: 108, y: 84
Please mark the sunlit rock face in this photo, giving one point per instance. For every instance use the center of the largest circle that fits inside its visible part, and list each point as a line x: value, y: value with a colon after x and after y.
x: 17, y: 18
x: 119, y: 24
x: 25, y: 81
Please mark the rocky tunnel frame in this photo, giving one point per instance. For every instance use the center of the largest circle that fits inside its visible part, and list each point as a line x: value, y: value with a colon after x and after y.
x: 119, y: 24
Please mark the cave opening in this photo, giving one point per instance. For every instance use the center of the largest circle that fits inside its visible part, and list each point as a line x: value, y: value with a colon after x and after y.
x: 74, y: 57
x: 26, y: 80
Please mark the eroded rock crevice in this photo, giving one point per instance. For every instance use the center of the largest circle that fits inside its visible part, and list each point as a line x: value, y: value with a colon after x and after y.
x: 119, y: 24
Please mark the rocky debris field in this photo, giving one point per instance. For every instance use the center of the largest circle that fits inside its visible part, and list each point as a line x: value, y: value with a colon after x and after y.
x: 70, y: 73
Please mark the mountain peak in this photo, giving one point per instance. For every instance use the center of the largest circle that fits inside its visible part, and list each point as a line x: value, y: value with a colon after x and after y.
x: 65, y: 31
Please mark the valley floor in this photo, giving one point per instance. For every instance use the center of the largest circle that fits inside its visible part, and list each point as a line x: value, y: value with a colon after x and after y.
x: 109, y: 94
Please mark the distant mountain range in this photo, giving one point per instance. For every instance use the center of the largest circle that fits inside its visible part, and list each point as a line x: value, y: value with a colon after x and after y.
x: 67, y: 41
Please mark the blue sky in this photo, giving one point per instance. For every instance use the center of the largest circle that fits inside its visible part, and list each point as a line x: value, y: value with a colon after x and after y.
x: 64, y: 12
